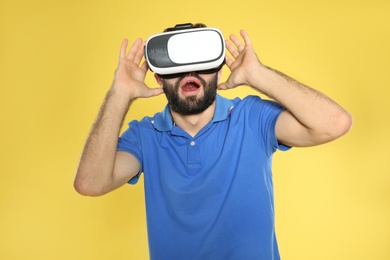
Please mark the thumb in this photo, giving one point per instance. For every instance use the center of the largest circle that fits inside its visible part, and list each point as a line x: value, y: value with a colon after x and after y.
x: 228, y: 84
x: 155, y: 92
x: 222, y: 86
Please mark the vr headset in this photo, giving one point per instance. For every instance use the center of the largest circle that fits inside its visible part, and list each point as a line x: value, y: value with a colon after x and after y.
x: 186, y: 49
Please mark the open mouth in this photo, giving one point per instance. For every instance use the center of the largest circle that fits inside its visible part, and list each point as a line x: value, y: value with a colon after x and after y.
x: 190, y: 85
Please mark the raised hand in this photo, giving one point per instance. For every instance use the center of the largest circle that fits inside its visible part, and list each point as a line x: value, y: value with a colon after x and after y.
x: 130, y: 74
x: 243, y: 63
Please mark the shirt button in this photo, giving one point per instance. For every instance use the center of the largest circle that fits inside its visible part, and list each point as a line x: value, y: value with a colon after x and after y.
x: 192, y: 143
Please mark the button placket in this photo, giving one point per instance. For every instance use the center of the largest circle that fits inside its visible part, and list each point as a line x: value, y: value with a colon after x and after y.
x: 193, y: 155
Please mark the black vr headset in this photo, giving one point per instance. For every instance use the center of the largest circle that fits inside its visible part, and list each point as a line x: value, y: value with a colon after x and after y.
x: 186, y: 49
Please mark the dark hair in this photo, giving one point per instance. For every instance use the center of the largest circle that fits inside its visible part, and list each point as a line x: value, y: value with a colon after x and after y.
x: 185, y: 26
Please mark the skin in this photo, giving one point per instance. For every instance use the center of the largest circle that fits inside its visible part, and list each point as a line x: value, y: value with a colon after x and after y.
x: 311, y: 118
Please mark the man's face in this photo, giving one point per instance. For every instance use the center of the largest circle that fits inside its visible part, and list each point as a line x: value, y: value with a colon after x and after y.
x: 192, y: 93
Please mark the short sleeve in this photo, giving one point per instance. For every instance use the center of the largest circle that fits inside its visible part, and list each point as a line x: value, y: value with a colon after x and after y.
x: 129, y: 142
x: 263, y: 117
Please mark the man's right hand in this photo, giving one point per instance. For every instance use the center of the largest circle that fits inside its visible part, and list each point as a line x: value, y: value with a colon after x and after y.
x: 101, y: 168
x: 130, y: 74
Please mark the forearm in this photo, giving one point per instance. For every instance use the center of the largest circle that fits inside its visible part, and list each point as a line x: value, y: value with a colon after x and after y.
x: 315, y: 111
x: 311, y: 117
x: 95, y: 171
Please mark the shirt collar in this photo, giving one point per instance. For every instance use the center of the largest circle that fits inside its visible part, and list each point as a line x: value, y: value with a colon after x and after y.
x: 223, y: 107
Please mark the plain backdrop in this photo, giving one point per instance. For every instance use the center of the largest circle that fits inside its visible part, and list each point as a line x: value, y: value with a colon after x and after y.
x: 57, y: 60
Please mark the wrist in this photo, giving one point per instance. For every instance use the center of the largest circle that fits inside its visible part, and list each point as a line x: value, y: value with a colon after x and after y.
x: 268, y: 81
x: 119, y: 99
x: 121, y: 92
x: 256, y: 75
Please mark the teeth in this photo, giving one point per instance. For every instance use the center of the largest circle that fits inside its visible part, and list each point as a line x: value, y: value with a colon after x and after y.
x: 190, y: 84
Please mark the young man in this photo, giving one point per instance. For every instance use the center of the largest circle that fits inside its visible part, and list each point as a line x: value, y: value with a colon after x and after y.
x: 206, y: 159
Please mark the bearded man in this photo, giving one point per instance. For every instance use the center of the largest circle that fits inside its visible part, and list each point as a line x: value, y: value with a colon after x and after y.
x: 206, y: 159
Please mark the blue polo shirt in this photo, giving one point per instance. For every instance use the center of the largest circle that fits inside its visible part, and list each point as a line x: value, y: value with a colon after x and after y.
x: 209, y: 196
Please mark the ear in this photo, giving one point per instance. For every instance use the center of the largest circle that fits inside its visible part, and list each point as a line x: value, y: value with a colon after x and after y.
x: 158, y: 79
x: 219, y: 75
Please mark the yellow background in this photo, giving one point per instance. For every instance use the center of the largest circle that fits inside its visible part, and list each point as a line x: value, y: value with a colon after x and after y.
x: 57, y: 60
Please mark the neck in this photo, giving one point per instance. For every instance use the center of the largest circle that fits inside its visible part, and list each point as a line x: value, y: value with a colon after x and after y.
x: 192, y: 124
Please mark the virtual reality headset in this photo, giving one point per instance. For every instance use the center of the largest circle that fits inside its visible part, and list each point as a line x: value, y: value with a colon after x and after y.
x: 172, y: 53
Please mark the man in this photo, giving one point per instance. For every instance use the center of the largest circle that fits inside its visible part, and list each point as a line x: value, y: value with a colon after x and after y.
x: 206, y: 159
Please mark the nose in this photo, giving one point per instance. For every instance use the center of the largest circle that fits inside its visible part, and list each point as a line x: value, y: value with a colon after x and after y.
x: 192, y: 73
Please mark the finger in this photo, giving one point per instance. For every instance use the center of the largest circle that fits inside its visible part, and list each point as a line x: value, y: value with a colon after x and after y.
x: 232, y: 49
x: 139, y: 54
x: 155, y: 92
x: 224, y: 85
x: 221, y: 86
x: 246, y: 38
x: 239, y: 45
x: 134, y: 49
x: 228, y: 61
x: 145, y: 66
x: 122, y: 53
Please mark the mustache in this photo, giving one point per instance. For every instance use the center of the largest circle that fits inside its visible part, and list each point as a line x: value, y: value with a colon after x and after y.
x: 191, y: 74
x: 177, y: 83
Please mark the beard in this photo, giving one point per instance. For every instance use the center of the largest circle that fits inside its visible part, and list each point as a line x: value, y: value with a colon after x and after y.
x: 191, y: 105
